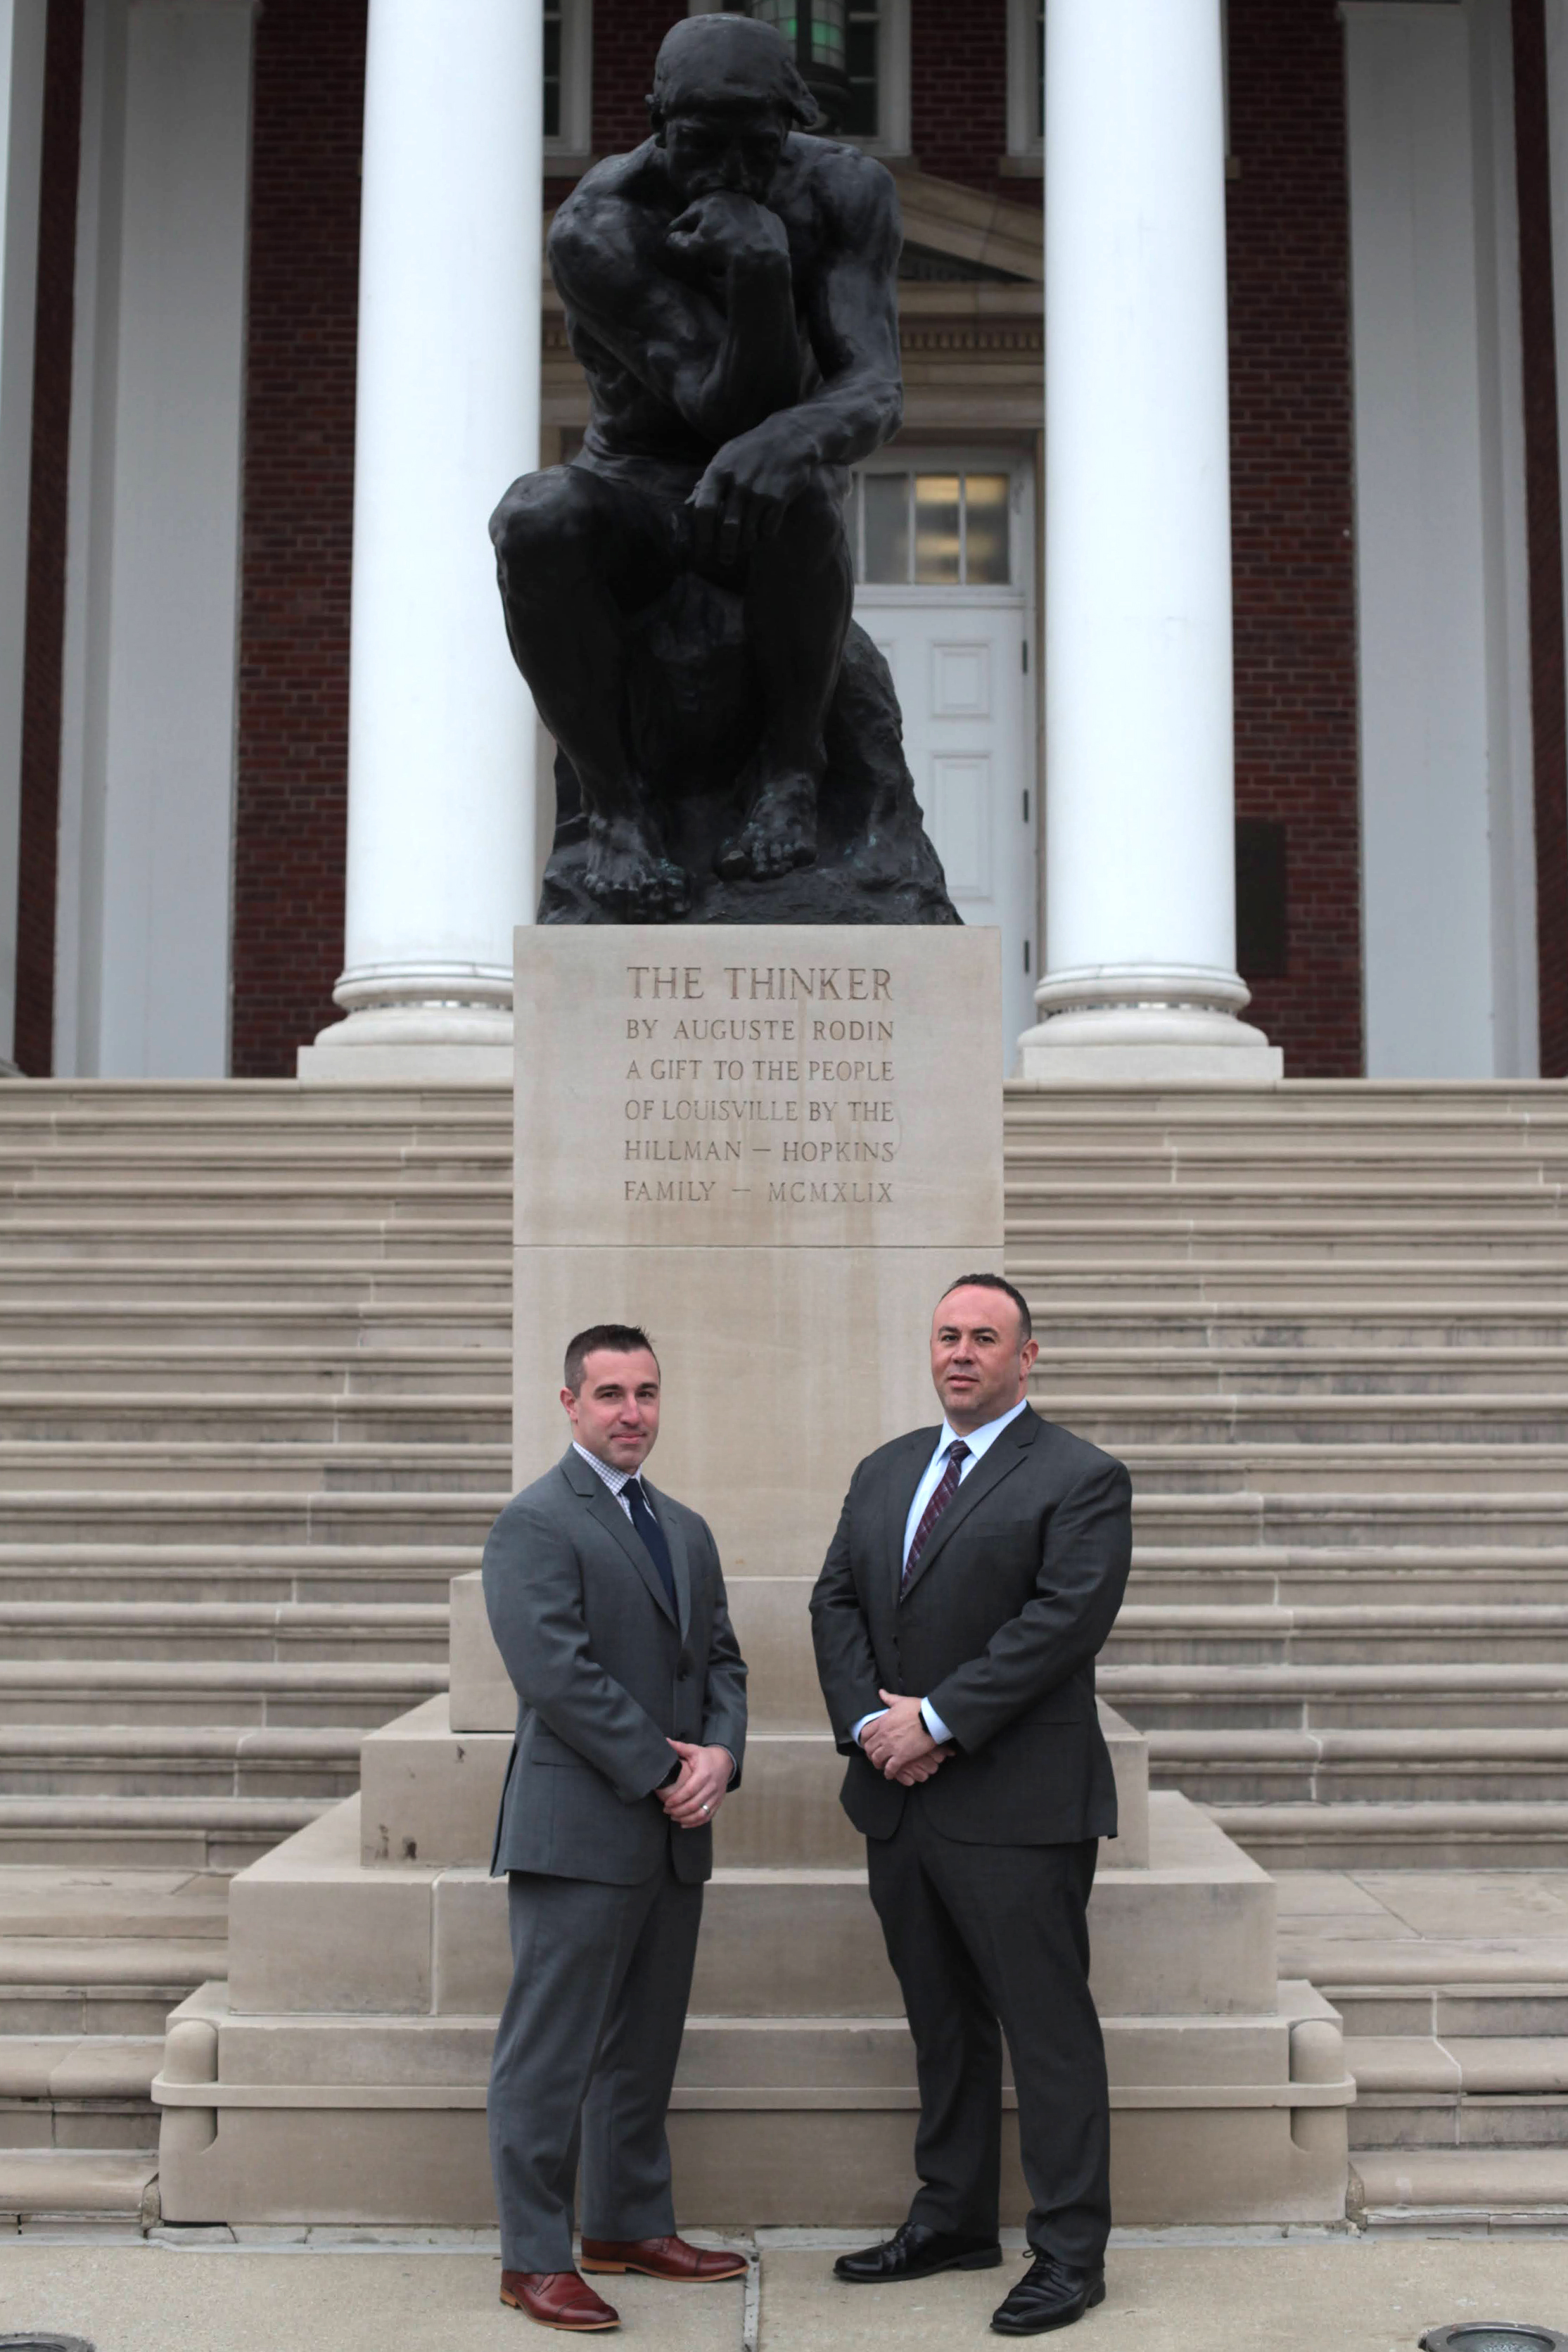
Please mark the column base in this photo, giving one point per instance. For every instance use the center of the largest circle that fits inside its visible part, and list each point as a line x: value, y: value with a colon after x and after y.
x: 1148, y: 1045
x: 465, y: 1044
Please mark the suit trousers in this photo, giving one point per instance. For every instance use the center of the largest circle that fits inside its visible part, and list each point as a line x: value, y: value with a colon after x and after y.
x: 986, y: 1940
x: 585, y: 2057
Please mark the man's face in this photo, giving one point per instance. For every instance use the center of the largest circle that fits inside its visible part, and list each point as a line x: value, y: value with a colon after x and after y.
x: 733, y: 148
x: 615, y: 1412
x: 979, y: 1364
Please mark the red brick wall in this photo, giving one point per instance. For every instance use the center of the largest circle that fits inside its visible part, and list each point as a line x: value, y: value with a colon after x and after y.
x: 40, y: 794
x: 1542, y: 483
x: 292, y: 800
x: 958, y: 94
x: 626, y: 36
x: 1292, y: 509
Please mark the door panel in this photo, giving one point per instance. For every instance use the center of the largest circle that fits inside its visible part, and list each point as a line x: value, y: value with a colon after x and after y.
x: 959, y: 667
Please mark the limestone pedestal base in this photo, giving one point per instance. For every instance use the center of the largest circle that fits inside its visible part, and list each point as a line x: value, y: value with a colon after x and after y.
x: 340, y: 2076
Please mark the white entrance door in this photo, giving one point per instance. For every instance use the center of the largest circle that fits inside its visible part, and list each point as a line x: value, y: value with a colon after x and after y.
x: 941, y: 560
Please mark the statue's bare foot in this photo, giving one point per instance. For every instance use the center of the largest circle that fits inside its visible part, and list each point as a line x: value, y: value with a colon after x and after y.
x: 628, y: 874
x: 780, y: 834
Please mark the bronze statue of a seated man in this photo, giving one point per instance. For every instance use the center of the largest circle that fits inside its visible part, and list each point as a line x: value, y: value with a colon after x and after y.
x: 730, y: 293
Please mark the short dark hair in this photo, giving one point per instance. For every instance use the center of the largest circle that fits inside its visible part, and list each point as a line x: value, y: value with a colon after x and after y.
x: 615, y: 1339
x: 996, y: 1282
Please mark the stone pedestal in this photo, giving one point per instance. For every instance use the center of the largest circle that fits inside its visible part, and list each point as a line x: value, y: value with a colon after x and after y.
x: 774, y: 1148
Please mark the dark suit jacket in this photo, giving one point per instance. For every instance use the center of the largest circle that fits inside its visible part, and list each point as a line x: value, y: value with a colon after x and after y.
x: 606, y: 1675
x: 1012, y: 1598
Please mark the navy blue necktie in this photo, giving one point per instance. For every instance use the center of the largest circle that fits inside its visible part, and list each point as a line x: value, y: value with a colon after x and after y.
x: 653, y: 1536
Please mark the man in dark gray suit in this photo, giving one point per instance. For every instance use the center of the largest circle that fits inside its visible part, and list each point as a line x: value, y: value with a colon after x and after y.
x: 608, y: 1606
x: 974, y: 1574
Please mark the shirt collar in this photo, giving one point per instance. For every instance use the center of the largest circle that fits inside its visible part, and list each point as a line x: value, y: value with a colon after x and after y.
x: 978, y: 1440
x: 614, y: 1479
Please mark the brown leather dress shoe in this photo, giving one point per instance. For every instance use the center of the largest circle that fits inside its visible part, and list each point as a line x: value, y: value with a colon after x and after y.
x: 666, y: 2258
x: 558, y: 2299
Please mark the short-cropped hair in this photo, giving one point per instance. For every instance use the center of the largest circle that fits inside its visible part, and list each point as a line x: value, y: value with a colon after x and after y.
x: 613, y: 1339
x: 996, y: 1282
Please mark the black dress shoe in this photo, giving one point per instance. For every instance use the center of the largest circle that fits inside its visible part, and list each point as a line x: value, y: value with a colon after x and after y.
x: 916, y: 2253
x: 1051, y: 2293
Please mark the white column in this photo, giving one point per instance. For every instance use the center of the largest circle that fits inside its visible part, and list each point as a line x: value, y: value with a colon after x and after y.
x: 22, y: 32
x: 441, y: 728
x: 1448, y: 856
x: 1140, y: 979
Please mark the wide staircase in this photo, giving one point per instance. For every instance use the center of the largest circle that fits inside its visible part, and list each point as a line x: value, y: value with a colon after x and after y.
x: 1327, y: 1326
x: 253, y: 1375
x: 255, y: 1366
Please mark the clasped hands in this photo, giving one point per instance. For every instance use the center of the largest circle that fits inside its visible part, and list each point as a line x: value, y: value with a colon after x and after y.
x: 692, y: 1799
x: 898, y: 1744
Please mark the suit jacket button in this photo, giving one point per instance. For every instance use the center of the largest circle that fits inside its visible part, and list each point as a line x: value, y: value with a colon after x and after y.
x: 683, y: 1670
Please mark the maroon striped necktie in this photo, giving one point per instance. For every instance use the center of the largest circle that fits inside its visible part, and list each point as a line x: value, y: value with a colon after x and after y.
x: 948, y: 1486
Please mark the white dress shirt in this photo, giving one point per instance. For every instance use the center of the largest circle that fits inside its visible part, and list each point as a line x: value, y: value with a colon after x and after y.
x: 979, y: 1442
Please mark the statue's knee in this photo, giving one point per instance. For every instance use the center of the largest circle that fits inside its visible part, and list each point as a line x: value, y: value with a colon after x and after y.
x: 815, y: 519
x: 542, y: 526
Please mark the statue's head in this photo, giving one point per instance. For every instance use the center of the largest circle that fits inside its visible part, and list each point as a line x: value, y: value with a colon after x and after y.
x: 727, y: 94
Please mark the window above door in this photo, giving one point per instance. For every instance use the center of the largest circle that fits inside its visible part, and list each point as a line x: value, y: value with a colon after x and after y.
x: 914, y: 526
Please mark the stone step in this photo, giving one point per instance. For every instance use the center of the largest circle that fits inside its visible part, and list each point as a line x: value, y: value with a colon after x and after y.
x: 366, y: 1575
x: 58, y: 1199
x: 44, y: 2186
x: 1380, y: 1519
x: 1337, y: 1472
x: 191, y: 1834
x: 1360, y: 1105
x: 1481, y: 2189
x: 1490, y: 2091
x: 1228, y: 1633
x: 99, y: 1986
x: 93, y: 1416
x: 214, y: 1156
x: 1383, y: 1577
x: 330, y: 1517
x: 363, y: 1286
x: 1236, y: 1156
x: 1327, y: 1697
x: 1266, y: 1198
x: 61, y: 2092
x: 1126, y: 1372
x: 1402, y: 1282
x: 240, y: 1632
x: 287, y: 1374
x: 1368, y: 1766
x: 86, y: 1760
x: 1405, y: 1835
x: 29, y: 1466
x: 1153, y: 1424
x: 481, y: 1325
x: 1179, y: 1320
x: 317, y: 1695
x: 49, y: 1238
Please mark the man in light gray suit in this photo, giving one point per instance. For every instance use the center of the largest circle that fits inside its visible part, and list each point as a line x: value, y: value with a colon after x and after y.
x: 607, y: 1603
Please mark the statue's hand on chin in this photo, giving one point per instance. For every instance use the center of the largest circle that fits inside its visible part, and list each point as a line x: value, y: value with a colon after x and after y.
x: 719, y: 230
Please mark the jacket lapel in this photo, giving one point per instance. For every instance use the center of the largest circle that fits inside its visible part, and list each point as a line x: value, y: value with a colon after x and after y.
x: 604, y: 1507
x: 1002, y: 1456
x: 905, y: 1472
x: 680, y: 1559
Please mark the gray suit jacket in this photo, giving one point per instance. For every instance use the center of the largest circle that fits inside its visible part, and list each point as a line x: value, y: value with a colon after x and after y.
x: 606, y: 1675
x: 1009, y: 1603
